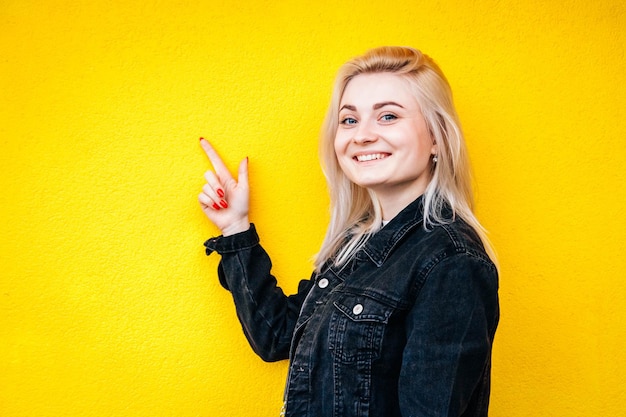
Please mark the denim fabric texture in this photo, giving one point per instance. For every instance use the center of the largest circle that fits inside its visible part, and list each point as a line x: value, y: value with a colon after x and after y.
x: 405, y: 329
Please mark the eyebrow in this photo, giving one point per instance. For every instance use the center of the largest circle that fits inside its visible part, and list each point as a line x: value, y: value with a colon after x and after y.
x: 386, y: 103
x: 375, y: 107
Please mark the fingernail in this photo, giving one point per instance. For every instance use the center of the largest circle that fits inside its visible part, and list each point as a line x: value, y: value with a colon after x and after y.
x: 220, y: 193
x: 223, y: 204
x: 201, y: 138
x: 215, y: 206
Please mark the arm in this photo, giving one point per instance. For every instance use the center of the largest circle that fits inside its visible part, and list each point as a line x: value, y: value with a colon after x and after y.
x: 446, y: 361
x: 267, y: 316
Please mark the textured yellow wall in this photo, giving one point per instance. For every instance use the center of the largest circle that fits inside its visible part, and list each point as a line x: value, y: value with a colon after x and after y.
x: 108, y: 306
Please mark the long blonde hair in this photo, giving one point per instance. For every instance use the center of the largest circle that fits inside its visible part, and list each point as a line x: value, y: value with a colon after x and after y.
x: 355, y: 211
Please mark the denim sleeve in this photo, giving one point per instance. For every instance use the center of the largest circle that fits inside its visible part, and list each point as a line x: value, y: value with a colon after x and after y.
x: 267, y: 315
x: 447, y: 360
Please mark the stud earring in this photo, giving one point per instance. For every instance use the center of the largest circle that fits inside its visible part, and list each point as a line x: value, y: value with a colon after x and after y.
x: 435, y: 159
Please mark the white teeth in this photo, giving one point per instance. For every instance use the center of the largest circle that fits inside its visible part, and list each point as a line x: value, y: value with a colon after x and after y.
x: 370, y: 157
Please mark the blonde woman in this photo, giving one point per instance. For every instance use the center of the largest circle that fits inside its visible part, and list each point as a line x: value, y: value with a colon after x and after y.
x: 399, y: 316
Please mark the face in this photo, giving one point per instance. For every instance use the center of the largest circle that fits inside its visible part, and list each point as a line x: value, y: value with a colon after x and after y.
x: 382, y: 142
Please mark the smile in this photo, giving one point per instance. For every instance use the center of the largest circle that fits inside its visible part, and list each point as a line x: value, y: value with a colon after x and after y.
x: 371, y: 157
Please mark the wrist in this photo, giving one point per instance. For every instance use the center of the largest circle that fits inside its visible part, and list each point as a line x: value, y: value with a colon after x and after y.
x: 236, y: 227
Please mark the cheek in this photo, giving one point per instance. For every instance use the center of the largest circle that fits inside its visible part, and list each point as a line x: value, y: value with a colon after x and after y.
x: 339, y: 145
x: 340, y: 148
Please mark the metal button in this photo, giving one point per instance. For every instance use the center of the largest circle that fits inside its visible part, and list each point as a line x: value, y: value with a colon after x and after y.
x: 358, y: 309
x: 323, y: 283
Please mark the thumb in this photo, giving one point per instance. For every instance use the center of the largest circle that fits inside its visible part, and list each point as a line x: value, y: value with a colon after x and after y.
x: 242, y: 175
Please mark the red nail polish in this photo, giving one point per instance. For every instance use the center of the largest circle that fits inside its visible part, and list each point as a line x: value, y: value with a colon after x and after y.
x: 201, y: 138
x: 220, y: 193
x: 215, y: 206
x: 223, y: 204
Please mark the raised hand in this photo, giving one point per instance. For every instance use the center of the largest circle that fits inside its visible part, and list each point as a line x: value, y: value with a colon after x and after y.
x: 224, y: 199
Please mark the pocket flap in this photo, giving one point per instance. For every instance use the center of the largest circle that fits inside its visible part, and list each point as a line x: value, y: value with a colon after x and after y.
x: 363, y: 308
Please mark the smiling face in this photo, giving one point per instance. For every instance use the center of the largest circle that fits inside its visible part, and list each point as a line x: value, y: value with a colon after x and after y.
x: 382, y: 142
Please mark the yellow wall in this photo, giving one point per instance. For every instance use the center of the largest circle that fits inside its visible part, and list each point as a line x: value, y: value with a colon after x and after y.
x: 108, y: 306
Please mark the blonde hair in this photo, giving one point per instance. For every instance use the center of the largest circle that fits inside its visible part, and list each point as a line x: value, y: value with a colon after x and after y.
x: 355, y: 211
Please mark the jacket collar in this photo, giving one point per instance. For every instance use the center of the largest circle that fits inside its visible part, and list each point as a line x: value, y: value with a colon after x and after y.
x: 386, y: 239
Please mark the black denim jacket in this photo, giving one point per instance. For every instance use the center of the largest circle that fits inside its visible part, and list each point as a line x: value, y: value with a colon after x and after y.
x: 405, y: 329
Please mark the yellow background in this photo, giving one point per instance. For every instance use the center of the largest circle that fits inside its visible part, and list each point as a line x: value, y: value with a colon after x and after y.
x: 108, y: 306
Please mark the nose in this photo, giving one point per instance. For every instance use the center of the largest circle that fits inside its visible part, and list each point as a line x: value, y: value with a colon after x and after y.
x: 365, y: 134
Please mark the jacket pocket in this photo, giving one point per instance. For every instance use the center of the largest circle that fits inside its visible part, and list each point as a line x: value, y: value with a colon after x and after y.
x: 357, y: 327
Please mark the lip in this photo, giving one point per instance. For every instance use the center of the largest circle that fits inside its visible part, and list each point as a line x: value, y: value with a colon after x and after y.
x: 370, y: 156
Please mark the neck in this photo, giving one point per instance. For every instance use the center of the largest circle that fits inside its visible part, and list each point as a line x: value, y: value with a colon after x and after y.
x: 393, y: 203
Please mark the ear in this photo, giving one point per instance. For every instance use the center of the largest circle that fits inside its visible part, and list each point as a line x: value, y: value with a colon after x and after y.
x: 434, y: 150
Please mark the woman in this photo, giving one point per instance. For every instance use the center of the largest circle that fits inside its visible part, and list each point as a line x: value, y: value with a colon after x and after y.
x: 399, y: 316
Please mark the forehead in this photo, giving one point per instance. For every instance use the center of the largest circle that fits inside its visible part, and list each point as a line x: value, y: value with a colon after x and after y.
x: 369, y: 89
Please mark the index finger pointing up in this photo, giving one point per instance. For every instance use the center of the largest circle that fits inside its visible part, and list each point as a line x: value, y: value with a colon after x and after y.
x: 218, y: 165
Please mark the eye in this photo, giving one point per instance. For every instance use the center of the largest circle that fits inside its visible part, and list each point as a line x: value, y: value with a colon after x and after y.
x: 348, y: 121
x: 388, y: 117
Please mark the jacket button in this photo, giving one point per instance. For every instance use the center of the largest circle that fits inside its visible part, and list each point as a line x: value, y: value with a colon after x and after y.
x: 358, y: 309
x: 323, y: 283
